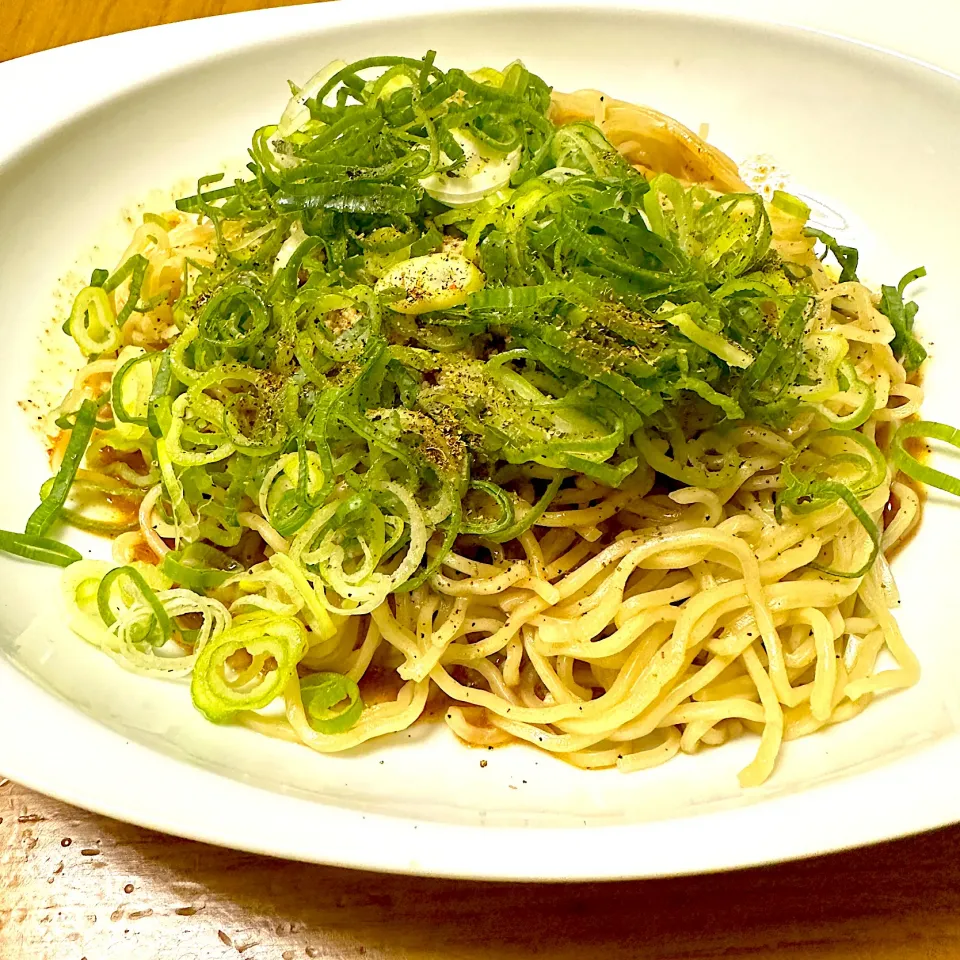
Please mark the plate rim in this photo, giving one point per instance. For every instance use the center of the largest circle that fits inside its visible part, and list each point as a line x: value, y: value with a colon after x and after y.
x: 82, y: 747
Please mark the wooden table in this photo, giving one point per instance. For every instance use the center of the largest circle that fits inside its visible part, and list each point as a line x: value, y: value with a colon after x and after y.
x: 74, y: 885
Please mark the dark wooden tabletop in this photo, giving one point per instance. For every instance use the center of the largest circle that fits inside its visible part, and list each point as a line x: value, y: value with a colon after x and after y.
x: 75, y: 885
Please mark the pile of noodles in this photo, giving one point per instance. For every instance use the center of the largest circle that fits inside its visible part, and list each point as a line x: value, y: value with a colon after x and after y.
x: 627, y: 624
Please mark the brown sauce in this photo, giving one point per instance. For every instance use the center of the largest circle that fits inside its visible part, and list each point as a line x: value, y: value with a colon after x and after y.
x: 436, y: 706
x: 143, y: 554
x: 57, y: 447
x: 132, y: 458
x: 379, y: 685
x: 250, y: 550
x: 124, y: 510
x: 382, y: 684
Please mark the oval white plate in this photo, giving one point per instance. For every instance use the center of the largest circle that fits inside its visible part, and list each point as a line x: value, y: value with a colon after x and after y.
x: 90, y: 128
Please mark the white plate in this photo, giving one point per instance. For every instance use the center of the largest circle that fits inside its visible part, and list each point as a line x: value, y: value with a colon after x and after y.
x: 90, y: 128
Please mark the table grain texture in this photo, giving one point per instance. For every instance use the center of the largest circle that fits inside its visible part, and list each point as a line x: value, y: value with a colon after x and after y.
x: 76, y: 886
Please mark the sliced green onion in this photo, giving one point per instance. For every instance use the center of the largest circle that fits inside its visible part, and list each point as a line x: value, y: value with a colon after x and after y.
x: 870, y: 458
x: 849, y: 498
x: 356, y: 351
x: 159, y: 403
x: 804, y: 496
x: 262, y: 637
x: 489, y: 528
x: 43, y: 517
x: 136, y: 269
x: 41, y: 549
x: 157, y: 630
x: 862, y: 391
x: 199, y: 567
x: 912, y: 467
x: 847, y: 257
x: 92, y: 323
x: 323, y: 696
x: 530, y: 516
x: 124, y: 387
x: 901, y: 315
x: 792, y: 206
